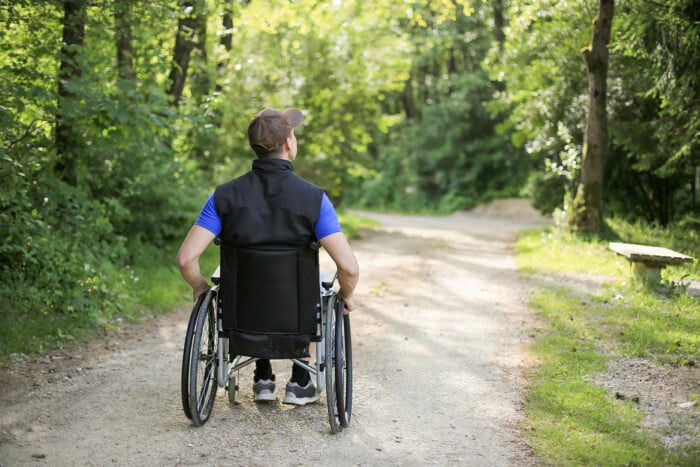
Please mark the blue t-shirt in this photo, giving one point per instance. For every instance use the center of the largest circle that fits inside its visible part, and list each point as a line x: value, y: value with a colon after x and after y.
x: 327, y: 220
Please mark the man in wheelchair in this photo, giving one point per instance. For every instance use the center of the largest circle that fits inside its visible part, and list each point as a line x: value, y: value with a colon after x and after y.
x: 271, y: 208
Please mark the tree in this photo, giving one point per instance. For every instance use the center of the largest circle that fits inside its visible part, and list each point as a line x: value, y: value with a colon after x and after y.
x: 123, y: 38
x: 71, y: 46
x: 144, y: 122
x: 652, y: 102
x: 190, y: 26
x: 540, y: 90
x: 587, y: 205
x: 498, y: 22
x: 446, y: 154
x: 334, y: 60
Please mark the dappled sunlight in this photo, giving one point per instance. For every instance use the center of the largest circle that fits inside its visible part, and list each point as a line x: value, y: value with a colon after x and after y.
x: 436, y: 312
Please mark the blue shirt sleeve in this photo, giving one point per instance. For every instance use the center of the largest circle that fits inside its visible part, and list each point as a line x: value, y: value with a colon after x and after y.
x: 209, y: 218
x: 328, y: 222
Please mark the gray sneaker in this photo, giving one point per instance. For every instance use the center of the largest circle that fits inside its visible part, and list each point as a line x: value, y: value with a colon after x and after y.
x: 297, y: 395
x: 264, y: 390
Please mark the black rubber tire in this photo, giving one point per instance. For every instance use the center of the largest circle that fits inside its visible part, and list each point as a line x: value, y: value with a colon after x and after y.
x: 329, y: 365
x: 204, y: 362
x: 187, y: 358
x: 343, y: 367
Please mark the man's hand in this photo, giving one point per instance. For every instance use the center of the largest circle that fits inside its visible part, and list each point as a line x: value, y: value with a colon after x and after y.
x: 200, y: 291
x: 349, y: 304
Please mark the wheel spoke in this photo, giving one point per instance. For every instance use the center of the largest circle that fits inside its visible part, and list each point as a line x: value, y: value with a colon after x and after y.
x: 206, y: 386
x: 202, y: 378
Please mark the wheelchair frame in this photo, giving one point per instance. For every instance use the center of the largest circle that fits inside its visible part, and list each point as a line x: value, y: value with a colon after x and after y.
x: 206, y: 362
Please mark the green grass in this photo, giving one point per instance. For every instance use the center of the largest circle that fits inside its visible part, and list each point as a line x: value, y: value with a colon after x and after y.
x: 26, y: 332
x: 572, y: 420
x: 151, y: 285
x: 682, y: 238
x: 112, y: 295
x: 566, y: 252
x: 352, y: 223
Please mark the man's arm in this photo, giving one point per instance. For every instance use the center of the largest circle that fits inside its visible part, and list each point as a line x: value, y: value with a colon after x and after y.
x: 338, y: 248
x: 197, y: 240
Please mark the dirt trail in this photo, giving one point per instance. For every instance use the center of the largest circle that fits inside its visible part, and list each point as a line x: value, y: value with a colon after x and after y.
x: 437, y: 371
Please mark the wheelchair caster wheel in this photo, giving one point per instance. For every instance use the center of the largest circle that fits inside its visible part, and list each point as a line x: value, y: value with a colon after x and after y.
x: 232, y: 389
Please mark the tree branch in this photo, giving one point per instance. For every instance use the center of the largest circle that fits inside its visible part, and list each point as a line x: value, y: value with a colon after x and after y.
x: 29, y: 128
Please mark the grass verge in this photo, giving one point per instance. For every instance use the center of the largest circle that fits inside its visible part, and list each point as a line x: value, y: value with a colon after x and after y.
x: 572, y: 419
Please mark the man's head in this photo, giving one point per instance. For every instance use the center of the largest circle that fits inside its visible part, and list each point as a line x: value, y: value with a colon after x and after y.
x: 269, y: 130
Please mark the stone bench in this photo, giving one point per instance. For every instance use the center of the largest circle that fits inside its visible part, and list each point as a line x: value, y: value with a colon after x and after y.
x: 648, y: 261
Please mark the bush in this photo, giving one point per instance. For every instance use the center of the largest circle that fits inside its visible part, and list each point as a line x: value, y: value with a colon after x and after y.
x: 546, y: 191
x: 57, y: 242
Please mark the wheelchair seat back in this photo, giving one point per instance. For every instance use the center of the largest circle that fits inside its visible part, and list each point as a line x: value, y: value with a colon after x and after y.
x: 269, y: 301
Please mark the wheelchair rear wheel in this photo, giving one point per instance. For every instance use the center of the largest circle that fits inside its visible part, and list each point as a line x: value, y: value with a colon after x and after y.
x: 343, y: 368
x: 187, y: 356
x: 338, y: 356
x: 200, y: 362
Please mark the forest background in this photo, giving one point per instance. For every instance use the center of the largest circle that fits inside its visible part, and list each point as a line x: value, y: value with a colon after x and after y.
x: 119, y: 117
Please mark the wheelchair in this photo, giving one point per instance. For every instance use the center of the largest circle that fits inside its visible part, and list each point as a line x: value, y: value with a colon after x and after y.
x: 267, y: 304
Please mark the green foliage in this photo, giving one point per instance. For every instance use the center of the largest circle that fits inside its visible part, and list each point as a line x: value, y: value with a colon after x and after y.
x: 662, y: 38
x: 654, y: 124
x: 546, y: 190
x: 334, y: 61
x: 36, y: 319
x: 652, y: 103
x: 451, y: 159
x: 447, y: 154
x: 399, y: 114
x: 543, y: 79
x: 66, y: 243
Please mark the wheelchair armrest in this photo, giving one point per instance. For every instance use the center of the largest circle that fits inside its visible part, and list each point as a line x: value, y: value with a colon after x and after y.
x: 216, y: 275
x: 328, y: 279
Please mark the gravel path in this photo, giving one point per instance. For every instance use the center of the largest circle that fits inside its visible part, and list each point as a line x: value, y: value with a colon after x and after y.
x: 437, y: 371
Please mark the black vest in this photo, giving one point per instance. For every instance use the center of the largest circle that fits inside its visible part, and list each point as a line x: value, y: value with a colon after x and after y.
x: 268, y: 208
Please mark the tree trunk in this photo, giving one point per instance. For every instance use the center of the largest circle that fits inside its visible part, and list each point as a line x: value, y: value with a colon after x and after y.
x: 123, y: 39
x: 201, y: 81
x: 184, y: 43
x: 696, y: 184
x: 73, y: 39
x: 408, y: 98
x: 226, y: 40
x: 586, y: 215
x: 499, y: 23
x: 227, y: 23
